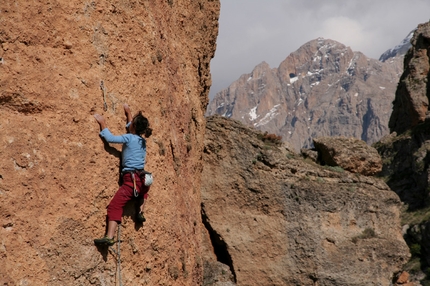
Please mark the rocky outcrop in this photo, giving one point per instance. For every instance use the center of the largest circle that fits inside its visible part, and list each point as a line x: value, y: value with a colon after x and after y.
x: 411, y: 104
x: 57, y: 177
x: 350, y: 154
x: 279, y: 219
x: 322, y: 89
x: 406, y: 151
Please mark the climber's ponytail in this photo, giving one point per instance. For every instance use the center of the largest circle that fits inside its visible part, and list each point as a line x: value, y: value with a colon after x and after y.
x: 141, y: 125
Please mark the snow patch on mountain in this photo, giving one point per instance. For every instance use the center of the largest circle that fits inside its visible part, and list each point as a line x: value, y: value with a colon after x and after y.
x: 253, y: 114
x: 269, y: 116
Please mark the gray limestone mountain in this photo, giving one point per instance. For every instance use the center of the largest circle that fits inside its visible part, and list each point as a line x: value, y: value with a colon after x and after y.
x: 322, y: 89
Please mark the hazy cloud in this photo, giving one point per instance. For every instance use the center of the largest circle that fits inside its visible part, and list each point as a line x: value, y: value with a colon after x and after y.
x: 252, y: 31
x: 345, y: 30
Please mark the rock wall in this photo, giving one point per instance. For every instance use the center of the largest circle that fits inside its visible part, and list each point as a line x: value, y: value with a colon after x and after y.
x: 411, y: 104
x: 277, y: 219
x: 57, y: 177
x: 406, y: 151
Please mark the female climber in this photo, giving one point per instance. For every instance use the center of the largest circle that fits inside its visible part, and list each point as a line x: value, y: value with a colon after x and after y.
x: 133, y: 163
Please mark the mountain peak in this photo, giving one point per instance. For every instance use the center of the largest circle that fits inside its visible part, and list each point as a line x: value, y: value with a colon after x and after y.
x: 400, y: 49
x: 321, y: 89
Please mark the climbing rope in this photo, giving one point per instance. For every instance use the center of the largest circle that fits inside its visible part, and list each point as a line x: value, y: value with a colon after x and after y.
x: 118, y: 255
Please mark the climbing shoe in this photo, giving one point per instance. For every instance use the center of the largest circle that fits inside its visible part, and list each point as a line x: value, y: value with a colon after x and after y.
x: 104, y: 241
x: 140, y: 218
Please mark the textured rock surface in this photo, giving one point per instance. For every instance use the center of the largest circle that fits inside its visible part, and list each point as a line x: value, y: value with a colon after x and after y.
x: 406, y: 152
x: 322, y: 89
x: 56, y: 177
x: 411, y: 105
x: 283, y: 220
x: 350, y: 154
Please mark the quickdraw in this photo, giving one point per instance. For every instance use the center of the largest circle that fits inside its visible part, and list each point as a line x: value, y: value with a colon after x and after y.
x: 135, y: 192
x: 103, y: 88
x: 147, y: 181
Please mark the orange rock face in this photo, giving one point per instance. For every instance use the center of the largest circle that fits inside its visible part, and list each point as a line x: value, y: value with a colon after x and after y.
x: 57, y: 176
x: 403, y: 278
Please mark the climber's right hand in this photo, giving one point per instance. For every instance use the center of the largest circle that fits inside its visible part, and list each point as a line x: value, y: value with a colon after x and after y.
x: 101, y: 121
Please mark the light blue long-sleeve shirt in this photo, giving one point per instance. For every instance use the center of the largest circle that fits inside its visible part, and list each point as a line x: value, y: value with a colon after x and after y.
x: 133, y: 149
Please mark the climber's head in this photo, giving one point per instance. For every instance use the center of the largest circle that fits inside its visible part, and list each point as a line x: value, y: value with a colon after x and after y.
x: 140, y: 125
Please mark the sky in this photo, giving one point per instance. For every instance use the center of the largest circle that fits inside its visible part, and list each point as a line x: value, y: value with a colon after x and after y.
x: 253, y: 31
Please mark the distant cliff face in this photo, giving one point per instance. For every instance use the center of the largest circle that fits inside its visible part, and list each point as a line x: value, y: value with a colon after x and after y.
x: 277, y: 219
x: 322, y: 89
x: 406, y: 151
x: 56, y: 175
x: 411, y: 105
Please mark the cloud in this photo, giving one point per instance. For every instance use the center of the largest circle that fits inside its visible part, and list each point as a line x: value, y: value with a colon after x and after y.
x: 344, y: 30
x: 252, y: 31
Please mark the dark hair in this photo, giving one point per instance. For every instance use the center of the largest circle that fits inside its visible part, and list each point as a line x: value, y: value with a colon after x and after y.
x: 141, y: 125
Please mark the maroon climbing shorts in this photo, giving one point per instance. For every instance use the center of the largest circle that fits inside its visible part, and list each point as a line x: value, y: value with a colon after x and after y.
x: 125, y: 194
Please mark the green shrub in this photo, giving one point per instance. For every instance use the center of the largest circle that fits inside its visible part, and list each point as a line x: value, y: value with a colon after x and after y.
x: 368, y: 233
x: 415, y: 249
x: 335, y: 168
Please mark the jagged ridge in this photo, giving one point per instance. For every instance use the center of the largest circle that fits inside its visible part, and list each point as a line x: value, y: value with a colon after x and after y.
x: 322, y: 89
